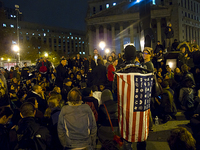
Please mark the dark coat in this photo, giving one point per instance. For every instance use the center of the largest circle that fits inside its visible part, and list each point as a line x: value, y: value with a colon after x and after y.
x: 24, y: 72
x: 169, y: 34
x: 27, y: 127
x: 42, y: 103
x: 65, y: 91
x: 61, y: 75
x: 99, y: 75
x: 4, y: 138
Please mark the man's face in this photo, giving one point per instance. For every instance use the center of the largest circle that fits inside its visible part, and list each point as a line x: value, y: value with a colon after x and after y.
x: 158, y: 43
x: 95, y: 52
x: 17, y: 68
x: 146, y: 55
x: 64, y: 62
x: 25, y: 64
x: 78, y: 55
x: 39, y: 89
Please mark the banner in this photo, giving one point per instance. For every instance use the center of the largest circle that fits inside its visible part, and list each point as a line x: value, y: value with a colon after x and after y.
x: 134, y: 96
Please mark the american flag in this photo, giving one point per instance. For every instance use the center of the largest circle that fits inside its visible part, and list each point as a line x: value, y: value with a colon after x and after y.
x: 134, y: 95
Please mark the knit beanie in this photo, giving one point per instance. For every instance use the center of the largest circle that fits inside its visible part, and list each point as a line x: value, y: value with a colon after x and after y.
x: 106, y: 95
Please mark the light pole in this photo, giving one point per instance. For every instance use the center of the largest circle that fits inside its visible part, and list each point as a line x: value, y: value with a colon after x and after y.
x: 102, y: 45
x: 107, y: 51
x: 18, y: 12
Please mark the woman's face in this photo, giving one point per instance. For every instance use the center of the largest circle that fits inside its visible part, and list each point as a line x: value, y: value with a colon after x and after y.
x: 110, y: 58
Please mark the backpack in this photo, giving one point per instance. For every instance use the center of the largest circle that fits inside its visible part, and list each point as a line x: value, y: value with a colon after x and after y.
x: 43, y: 68
x: 26, y: 142
x: 91, y: 104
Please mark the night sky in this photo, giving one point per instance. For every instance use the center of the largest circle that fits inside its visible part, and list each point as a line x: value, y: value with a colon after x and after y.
x: 61, y: 13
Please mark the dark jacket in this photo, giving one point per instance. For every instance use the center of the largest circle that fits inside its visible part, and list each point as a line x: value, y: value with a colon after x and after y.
x: 27, y: 127
x: 42, y: 103
x: 99, y: 75
x: 61, y: 75
x: 188, y: 80
x: 4, y: 138
x: 65, y: 91
x: 24, y: 72
x: 158, y: 48
x: 169, y: 34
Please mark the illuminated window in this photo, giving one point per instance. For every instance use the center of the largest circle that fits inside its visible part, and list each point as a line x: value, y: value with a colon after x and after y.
x: 68, y: 37
x: 14, y: 16
x: 70, y: 33
x: 4, y: 25
x: 79, y: 38
x: 44, y: 34
x: 76, y: 38
x: 12, y: 26
x: 33, y: 34
x: 47, y: 30
x: 154, y: 2
x: 79, y: 52
x: 107, y: 5
x: 38, y: 34
x: 114, y: 4
x: 27, y: 33
x: 11, y: 15
x: 83, y: 53
x: 72, y: 37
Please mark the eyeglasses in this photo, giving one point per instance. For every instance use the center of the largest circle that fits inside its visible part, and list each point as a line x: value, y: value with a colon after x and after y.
x: 145, y: 53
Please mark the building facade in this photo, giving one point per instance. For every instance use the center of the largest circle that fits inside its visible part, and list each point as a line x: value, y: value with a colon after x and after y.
x: 62, y: 40
x: 118, y: 22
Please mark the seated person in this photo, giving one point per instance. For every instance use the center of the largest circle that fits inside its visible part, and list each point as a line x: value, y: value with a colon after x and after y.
x: 167, y: 105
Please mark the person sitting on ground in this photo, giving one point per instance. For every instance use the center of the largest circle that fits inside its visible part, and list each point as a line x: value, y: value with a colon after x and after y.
x: 28, y: 130
x: 66, y: 88
x: 96, y: 93
x: 182, y: 139
x: 5, y: 114
x: 76, y: 124
x: 105, y: 130
x: 168, y: 107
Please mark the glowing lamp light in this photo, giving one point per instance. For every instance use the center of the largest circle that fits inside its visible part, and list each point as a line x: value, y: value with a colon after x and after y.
x: 46, y: 55
x: 102, y: 45
x: 8, y: 59
x: 15, y: 48
x: 107, y: 51
x: 138, y: 1
x: 172, y: 63
x: 2, y: 58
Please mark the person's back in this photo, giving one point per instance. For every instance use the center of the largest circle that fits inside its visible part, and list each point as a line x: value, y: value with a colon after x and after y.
x: 29, y: 133
x: 76, y: 124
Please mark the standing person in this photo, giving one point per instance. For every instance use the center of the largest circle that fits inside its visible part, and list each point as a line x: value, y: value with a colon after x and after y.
x: 169, y: 32
x: 158, y: 47
x: 182, y: 57
x: 147, y: 59
x: 76, y: 124
x: 25, y: 71
x: 17, y: 73
x: 99, y: 74
x: 123, y: 78
x: 78, y: 61
x: 111, y: 69
x: 61, y: 73
x: 96, y: 56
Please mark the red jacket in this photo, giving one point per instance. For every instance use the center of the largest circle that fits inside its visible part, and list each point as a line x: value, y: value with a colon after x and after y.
x: 111, y: 69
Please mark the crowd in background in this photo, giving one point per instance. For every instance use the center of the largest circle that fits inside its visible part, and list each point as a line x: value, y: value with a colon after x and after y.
x: 58, y: 104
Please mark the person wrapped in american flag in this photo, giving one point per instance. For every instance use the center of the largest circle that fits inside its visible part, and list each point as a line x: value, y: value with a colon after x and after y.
x: 133, y: 85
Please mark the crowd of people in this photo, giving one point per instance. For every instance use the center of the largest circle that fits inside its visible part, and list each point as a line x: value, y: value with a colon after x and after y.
x: 63, y: 107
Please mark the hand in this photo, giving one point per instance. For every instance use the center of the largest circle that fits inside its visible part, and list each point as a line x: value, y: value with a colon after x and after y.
x: 186, y: 55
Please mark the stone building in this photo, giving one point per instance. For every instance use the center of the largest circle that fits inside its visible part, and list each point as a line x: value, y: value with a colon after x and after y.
x: 62, y: 40
x: 117, y: 22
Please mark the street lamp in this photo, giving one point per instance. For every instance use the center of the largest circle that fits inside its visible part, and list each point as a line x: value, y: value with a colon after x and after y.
x: 18, y: 13
x: 102, y: 45
x: 1, y: 58
x: 8, y: 59
x: 46, y: 54
x: 15, y: 48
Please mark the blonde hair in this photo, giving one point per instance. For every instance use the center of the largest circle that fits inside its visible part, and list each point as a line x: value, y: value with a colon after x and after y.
x: 52, y: 103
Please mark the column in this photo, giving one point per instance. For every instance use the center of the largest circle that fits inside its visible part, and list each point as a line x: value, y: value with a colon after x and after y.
x: 113, y: 36
x: 90, y: 41
x: 188, y: 33
x: 131, y: 32
x: 121, y: 37
x: 159, y: 30
x: 97, y: 35
x: 105, y: 33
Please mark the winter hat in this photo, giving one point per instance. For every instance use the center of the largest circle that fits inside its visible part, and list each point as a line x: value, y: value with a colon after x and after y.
x: 130, y: 52
x: 148, y: 49
x: 106, y: 95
